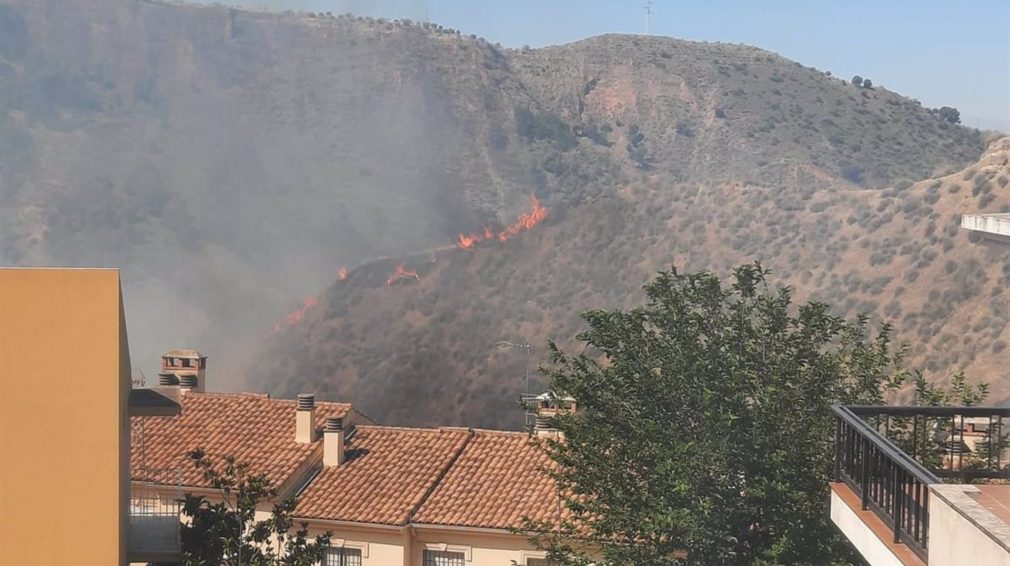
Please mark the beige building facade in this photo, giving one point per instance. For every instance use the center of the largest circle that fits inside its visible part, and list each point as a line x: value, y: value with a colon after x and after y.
x: 65, y: 379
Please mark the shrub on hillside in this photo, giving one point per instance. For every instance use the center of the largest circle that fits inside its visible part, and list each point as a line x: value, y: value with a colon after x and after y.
x: 544, y: 126
x: 950, y: 114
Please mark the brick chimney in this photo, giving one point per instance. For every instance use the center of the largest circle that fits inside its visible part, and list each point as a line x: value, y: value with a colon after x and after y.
x: 188, y: 367
x: 333, y: 442
x: 305, y: 418
x: 547, y: 406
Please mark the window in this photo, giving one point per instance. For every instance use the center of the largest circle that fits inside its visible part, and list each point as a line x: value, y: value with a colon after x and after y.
x: 443, y: 558
x: 343, y: 557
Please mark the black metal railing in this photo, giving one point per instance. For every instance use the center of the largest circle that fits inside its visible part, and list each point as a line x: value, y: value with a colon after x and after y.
x: 890, y: 455
x: 958, y: 443
x: 889, y: 482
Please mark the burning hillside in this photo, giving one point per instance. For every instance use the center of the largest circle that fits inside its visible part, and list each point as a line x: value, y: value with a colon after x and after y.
x: 424, y: 354
x: 526, y: 221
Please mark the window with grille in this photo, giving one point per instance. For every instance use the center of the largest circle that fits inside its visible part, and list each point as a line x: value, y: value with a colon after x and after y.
x: 343, y: 557
x: 443, y: 558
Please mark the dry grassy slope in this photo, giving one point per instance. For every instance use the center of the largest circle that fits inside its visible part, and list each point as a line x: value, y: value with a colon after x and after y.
x: 421, y: 351
x: 229, y: 161
x: 719, y: 111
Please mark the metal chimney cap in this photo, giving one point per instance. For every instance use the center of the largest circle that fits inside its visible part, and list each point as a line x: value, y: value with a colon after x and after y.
x: 167, y: 379
x: 187, y: 381
x: 306, y: 401
x: 542, y: 423
x: 334, y: 424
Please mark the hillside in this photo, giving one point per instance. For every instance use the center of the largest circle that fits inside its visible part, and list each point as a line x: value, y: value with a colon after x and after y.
x: 422, y: 350
x: 233, y: 162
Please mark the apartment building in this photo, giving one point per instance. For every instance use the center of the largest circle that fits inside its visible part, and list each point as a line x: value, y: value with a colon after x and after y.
x: 65, y: 378
x: 389, y: 495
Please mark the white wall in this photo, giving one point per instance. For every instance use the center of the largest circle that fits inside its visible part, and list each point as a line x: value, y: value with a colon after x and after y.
x: 954, y: 539
x: 862, y: 537
x: 481, y: 548
x: 379, y: 547
x: 996, y: 224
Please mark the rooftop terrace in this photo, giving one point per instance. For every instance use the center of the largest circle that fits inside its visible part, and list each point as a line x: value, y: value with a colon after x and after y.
x: 923, y: 485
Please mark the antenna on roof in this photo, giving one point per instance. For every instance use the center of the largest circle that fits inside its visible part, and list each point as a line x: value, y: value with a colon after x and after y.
x: 648, y: 17
x: 138, y: 378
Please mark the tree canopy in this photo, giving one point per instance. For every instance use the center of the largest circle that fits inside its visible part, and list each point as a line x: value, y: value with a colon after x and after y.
x: 227, y: 532
x: 704, y: 432
x: 950, y: 114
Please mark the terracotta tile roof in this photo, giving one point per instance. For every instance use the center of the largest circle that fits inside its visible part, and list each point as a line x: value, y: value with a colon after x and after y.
x: 388, y: 472
x: 252, y: 427
x: 497, y: 480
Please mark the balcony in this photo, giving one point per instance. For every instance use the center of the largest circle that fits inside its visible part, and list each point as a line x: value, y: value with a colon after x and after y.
x: 991, y: 226
x: 923, y: 485
x: 155, y: 503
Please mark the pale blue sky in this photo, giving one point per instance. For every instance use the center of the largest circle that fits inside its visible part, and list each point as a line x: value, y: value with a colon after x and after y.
x: 942, y: 53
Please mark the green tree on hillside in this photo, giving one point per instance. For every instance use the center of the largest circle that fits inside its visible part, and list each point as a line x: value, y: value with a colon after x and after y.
x: 950, y: 114
x: 228, y: 533
x: 705, y: 434
x: 857, y: 80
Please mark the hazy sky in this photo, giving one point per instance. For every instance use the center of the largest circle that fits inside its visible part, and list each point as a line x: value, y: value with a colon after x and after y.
x: 940, y: 52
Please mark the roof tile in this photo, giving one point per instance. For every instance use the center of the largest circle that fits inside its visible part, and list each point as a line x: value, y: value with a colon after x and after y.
x: 387, y: 474
x: 498, y: 480
x: 253, y: 428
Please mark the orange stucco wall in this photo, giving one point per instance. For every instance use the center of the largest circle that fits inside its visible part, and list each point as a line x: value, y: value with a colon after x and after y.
x: 64, y: 435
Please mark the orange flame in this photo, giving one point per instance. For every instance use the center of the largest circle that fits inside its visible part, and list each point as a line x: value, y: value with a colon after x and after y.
x: 342, y: 273
x: 526, y: 221
x: 401, y: 272
x: 297, y: 315
x: 467, y: 242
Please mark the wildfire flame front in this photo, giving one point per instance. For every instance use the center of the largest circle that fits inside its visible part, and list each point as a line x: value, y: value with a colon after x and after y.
x: 401, y: 272
x: 526, y: 221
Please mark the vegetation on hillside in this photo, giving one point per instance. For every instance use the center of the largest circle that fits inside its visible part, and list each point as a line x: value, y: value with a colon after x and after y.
x: 231, y: 162
x: 422, y: 353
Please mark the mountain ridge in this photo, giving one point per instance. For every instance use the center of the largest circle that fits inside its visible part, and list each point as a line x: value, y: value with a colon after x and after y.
x: 232, y: 162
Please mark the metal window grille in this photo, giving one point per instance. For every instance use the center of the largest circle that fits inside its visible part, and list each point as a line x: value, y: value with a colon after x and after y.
x: 443, y: 558
x: 343, y: 557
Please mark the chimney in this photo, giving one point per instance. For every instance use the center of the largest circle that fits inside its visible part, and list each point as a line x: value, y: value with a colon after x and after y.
x: 333, y: 442
x: 305, y: 418
x: 542, y: 425
x: 187, y: 367
x: 187, y: 383
x: 167, y: 380
x: 547, y: 407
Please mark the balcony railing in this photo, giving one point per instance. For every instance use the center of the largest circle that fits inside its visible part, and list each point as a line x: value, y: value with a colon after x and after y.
x: 890, y: 455
x: 155, y: 503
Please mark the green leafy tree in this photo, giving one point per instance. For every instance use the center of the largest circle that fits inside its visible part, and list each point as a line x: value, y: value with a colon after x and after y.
x: 950, y: 114
x: 857, y: 80
x: 867, y: 83
x: 705, y: 434
x: 228, y: 533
